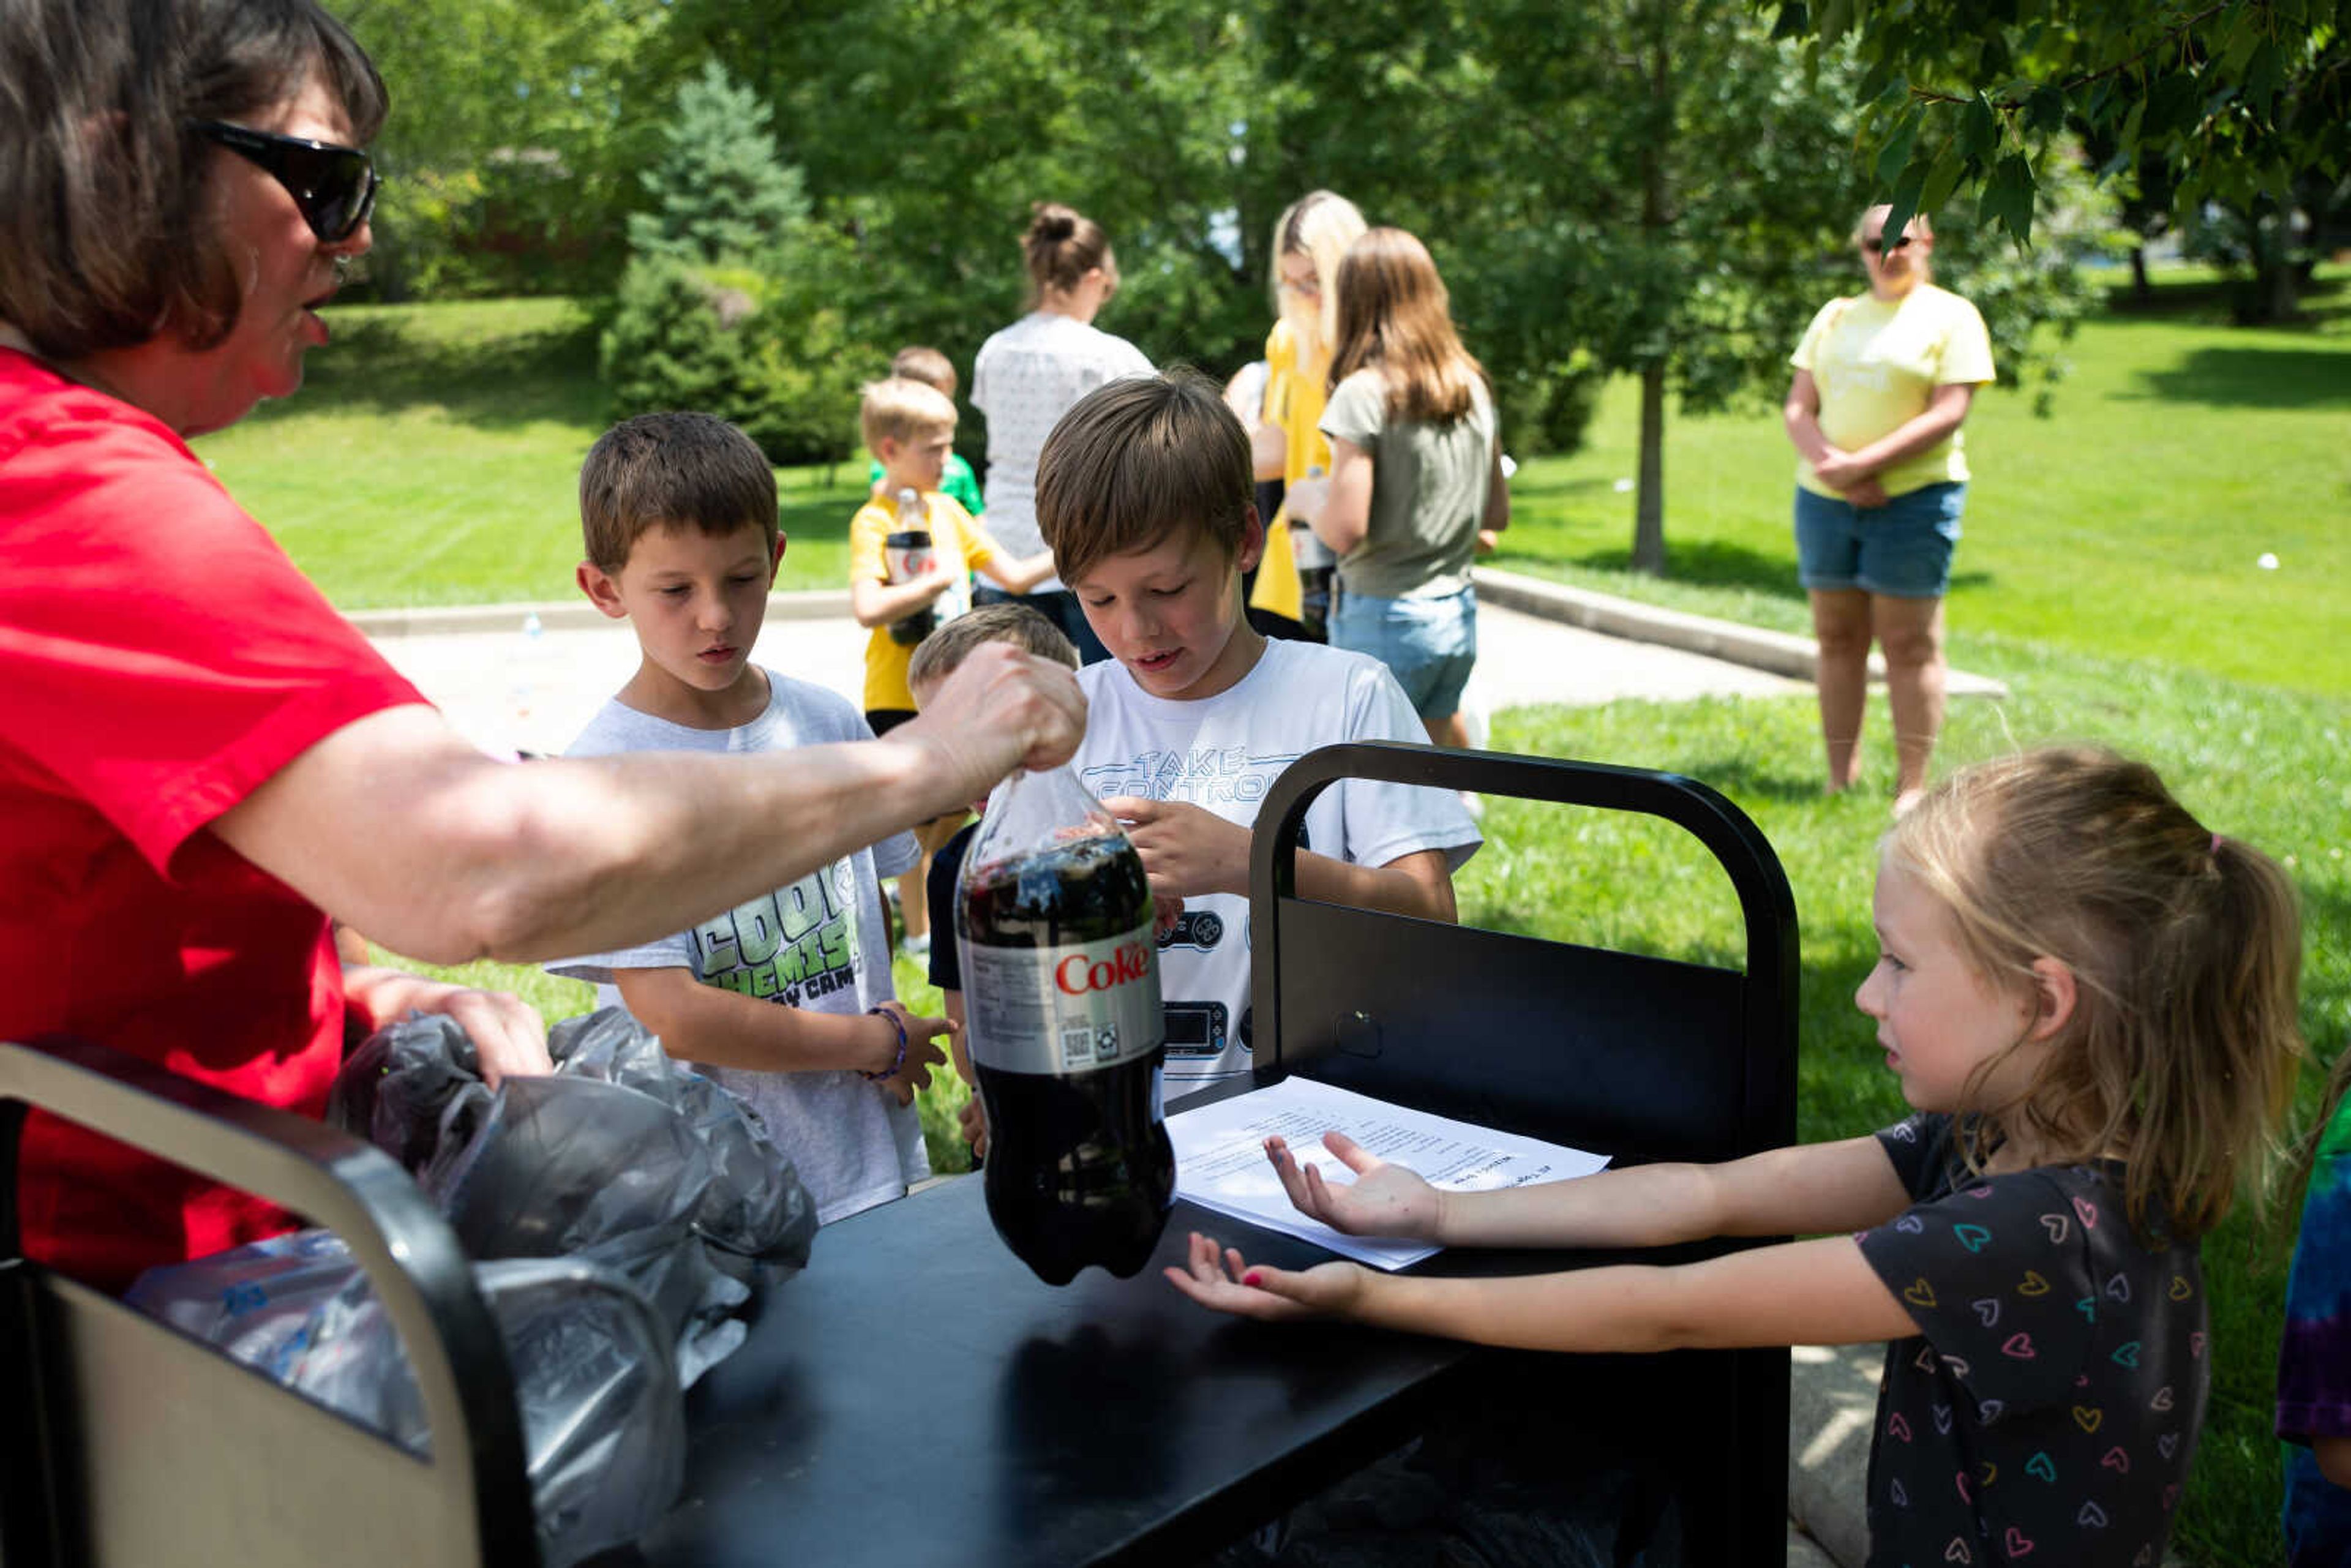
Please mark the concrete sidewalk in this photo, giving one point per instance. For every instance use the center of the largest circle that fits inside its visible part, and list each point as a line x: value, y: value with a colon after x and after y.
x: 527, y: 677
x: 507, y: 687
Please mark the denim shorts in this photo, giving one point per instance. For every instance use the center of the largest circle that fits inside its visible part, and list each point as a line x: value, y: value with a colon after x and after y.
x: 1901, y: 549
x: 1428, y: 643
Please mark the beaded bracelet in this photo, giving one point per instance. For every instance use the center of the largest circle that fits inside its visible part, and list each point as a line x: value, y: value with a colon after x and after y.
x: 900, y: 1025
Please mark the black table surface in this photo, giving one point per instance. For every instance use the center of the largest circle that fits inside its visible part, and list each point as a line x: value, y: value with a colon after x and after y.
x: 917, y: 1395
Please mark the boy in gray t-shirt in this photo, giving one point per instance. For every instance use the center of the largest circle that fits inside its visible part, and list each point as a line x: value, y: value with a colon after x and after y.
x: 786, y: 999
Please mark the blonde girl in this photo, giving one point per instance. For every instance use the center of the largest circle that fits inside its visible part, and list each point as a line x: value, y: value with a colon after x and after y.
x: 1030, y: 373
x: 1309, y: 239
x: 1415, y: 473
x: 2089, y: 1000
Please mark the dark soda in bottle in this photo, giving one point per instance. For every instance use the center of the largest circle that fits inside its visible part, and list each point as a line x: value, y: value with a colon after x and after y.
x: 905, y: 555
x: 1061, y: 984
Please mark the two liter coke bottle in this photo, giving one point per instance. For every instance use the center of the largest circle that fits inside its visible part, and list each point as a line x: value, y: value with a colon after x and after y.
x: 1060, y: 975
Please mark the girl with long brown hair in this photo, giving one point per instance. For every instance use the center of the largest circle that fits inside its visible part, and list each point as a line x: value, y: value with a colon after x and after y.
x: 1415, y: 475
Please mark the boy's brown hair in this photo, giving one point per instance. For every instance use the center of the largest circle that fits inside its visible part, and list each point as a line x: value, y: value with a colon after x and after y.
x: 1134, y: 462
x: 915, y: 363
x: 898, y: 408
x: 672, y: 471
x: 942, y: 652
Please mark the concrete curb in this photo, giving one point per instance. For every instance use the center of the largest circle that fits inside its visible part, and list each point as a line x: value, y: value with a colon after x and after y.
x: 1781, y: 652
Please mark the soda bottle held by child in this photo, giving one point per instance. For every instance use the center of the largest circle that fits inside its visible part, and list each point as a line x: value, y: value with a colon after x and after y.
x: 1061, y: 982
x: 907, y: 553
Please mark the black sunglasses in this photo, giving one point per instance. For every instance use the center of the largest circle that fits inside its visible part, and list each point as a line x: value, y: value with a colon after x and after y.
x: 334, y: 186
x: 1899, y: 242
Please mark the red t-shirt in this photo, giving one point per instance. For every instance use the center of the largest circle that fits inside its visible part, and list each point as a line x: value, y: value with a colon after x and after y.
x: 159, y: 658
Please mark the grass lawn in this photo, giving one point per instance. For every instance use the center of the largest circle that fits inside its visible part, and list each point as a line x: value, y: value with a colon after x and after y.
x: 2129, y: 522
x: 2108, y: 576
x: 434, y: 458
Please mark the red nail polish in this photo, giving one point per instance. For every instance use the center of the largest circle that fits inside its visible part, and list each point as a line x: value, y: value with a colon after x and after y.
x: 1252, y: 1277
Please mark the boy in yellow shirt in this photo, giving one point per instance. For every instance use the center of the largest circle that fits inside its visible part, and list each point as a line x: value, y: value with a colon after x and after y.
x: 910, y: 430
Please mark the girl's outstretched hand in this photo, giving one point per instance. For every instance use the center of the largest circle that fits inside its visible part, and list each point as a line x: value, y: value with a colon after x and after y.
x: 1228, y: 1284
x: 1383, y: 1199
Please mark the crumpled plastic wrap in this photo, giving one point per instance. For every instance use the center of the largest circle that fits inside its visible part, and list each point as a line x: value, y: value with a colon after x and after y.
x: 617, y: 1213
x: 623, y: 1157
x: 602, y: 1423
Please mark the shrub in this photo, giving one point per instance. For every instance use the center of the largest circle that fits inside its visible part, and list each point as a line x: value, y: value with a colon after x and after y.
x: 734, y: 342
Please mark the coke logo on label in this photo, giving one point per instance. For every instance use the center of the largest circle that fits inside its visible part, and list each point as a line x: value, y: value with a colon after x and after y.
x: 1077, y: 976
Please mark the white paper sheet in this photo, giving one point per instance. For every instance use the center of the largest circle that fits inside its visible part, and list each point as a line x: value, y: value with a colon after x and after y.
x: 1220, y: 1160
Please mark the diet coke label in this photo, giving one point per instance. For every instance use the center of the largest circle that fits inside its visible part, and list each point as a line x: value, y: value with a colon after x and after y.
x: 1063, y: 1010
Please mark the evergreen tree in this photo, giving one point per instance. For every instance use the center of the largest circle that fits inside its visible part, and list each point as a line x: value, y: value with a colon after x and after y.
x: 721, y: 191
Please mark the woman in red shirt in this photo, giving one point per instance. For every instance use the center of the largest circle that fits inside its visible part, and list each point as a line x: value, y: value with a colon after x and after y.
x: 198, y: 756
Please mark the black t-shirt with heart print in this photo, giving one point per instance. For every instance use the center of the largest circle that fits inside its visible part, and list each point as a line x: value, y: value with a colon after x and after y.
x: 2047, y: 1410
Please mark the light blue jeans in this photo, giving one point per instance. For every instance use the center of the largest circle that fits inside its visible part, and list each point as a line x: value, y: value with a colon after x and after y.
x: 1430, y: 644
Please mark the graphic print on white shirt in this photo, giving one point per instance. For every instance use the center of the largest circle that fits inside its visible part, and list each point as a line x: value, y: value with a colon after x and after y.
x: 818, y: 944
x: 1222, y: 754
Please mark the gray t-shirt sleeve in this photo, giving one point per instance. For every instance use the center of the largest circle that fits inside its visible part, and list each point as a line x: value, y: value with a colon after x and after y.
x: 1358, y: 410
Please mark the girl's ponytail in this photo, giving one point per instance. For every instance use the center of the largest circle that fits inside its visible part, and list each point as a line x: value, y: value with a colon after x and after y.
x: 2186, y: 949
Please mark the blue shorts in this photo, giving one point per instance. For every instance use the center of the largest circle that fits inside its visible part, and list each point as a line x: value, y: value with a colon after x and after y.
x: 1901, y: 549
x: 1428, y: 643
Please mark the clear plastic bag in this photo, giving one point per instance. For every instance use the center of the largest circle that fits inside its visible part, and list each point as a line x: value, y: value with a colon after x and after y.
x: 623, y: 1157
x: 602, y: 1422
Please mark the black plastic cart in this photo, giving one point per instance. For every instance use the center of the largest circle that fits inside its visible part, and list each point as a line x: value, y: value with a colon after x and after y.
x: 916, y: 1396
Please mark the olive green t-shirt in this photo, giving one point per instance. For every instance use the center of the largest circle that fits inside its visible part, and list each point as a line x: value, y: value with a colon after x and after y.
x: 1429, y: 484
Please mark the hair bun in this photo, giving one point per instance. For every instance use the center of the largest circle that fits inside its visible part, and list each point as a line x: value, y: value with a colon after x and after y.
x: 1053, y: 223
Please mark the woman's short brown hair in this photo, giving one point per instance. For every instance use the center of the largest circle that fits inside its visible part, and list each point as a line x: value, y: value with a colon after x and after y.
x: 1138, y: 460
x: 107, y: 238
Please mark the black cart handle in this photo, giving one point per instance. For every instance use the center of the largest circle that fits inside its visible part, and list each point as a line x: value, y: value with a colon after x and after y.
x: 412, y: 1257
x: 1766, y: 902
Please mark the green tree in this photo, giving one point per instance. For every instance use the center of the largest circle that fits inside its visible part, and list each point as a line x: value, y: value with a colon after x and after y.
x: 1649, y: 187
x: 720, y: 191
x: 925, y: 132
x: 2246, y: 104
x: 517, y: 131
x: 733, y: 299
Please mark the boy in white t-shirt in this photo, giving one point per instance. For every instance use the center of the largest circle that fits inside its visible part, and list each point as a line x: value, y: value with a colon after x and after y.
x: 1144, y: 493
x: 786, y: 999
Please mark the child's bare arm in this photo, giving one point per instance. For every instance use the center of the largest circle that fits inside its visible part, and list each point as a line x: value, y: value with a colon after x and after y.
x: 973, y: 1117
x: 1846, y: 1186
x: 1016, y: 576
x: 2333, y: 1455
x: 1187, y: 851
x: 1343, y: 516
x: 720, y: 1028
x: 877, y: 604
x: 1802, y: 1293
x: 1419, y: 884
